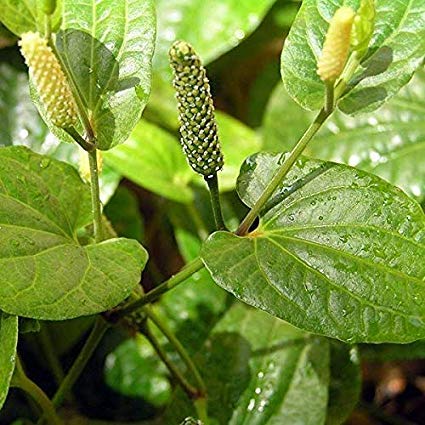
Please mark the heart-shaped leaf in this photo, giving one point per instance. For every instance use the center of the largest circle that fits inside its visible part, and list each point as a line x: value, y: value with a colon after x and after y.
x: 107, y: 47
x: 45, y: 273
x: 338, y: 252
x: 8, y: 342
x: 396, y: 50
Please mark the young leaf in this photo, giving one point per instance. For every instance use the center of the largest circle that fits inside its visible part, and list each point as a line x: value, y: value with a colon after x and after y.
x: 265, y: 365
x: 21, y: 16
x: 45, y: 273
x: 337, y: 252
x: 389, y: 142
x: 395, y: 51
x: 8, y: 342
x: 107, y: 47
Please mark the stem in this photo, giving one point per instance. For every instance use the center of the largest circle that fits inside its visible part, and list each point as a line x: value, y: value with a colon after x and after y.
x: 347, y: 74
x: 202, y: 410
x: 50, y: 353
x: 212, y: 183
x: 329, y: 97
x: 95, y: 196
x: 20, y: 380
x: 282, y: 171
x: 48, y: 27
x: 202, y: 389
x: 188, y: 270
x: 186, y: 386
x: 80, y: 363
x: 87, y: 146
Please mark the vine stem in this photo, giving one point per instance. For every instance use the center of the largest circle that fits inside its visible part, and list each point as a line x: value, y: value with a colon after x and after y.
x: 50, y: 353
x: 212, y: 182
x: 283, y: 171
x: 20, y: 380
x: 198, y: 394
x: 95, y: 195
x: 188, y: 270
x: 186, y: 386
x: 80, y: 363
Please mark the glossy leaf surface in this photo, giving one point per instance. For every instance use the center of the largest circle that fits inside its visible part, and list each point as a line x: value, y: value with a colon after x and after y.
x: 337, y: 252
x: 395, y: 51
x: 8, y: 343
x: 389, y: 142
x: 45, y: 273
x: 107, y: 47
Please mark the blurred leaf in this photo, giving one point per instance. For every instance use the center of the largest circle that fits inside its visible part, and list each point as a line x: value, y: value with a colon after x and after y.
x: 45, y: 273
x: 123, y: 212
x: 345, y: 382
x: 107, y: 48
x: 8, y: 343
x: 213, y: 27
x: 21, y: 123
x: 392, y: 352
x: 26, y: 15
x: 389, y: 142
x: 134, y: 369
x: 28, y: 325
x: 260, y: 370
x: 338, y: 252
x: 153, y: 159
x: 396, y: 50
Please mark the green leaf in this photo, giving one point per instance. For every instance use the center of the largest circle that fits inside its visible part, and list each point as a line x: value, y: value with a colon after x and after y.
x: 345, y: 382
x: 212, y: 28
x: 107, y: 47
x: 153, y: 159
x: 396, y: 50
x: 8, y: 343
x: 338, y: 252
x: 389, y: 142
x: 45, y: 273
x: 260, y: 370
x: 134, y: 369
x: 26, y: 15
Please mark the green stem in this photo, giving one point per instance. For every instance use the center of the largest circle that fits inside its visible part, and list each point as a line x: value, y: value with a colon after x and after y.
x: 212, y: 183
x: 282, y: 171
x: 202, y: 389
x: 48, y: 27
x: 20, y: 380
x: 95, y: 196
x: 188, y: 270
x: 87, y: 146
x: 329, y: 97
x: 80, y: 363
x: 50, y: 354
x: 349, y: 70
x: 202, y: 410
x: 186, y: 386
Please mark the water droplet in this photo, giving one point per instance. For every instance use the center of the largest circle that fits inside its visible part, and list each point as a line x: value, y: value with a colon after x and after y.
x: 320, y: 217
x: 44, y: 162
x: 291, y: 217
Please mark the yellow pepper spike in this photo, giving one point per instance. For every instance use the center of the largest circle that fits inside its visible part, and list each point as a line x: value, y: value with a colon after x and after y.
x: 337, y: 45
x: 49, y: 80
